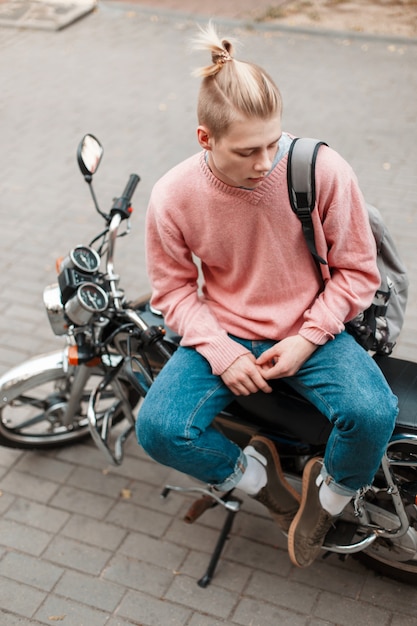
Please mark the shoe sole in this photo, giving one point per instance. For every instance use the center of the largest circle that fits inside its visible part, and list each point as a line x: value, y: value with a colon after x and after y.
x: 305, y: 485
x: 277, y: 463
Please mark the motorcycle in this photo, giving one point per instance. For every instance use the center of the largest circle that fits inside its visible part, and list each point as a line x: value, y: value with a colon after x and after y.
x: 115, y: 349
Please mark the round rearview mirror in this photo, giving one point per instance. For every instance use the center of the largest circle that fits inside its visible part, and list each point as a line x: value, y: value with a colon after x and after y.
x: 89, y: 155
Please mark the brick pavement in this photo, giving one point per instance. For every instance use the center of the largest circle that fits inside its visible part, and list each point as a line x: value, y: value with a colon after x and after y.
x: 73, y: 548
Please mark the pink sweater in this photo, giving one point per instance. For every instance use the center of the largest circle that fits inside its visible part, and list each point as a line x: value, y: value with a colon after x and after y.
x: 259, y: 279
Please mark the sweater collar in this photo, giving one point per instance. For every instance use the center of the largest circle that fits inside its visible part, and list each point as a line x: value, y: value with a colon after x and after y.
x: 277, y: 176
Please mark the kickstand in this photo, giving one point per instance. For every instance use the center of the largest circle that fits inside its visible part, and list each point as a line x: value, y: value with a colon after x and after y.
x: 224, y: 535
x: 206, y: 501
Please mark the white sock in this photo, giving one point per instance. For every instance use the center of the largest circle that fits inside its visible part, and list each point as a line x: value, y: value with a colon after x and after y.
x: 332, y: 502
x: 251, y: 451
x: 254, y: 476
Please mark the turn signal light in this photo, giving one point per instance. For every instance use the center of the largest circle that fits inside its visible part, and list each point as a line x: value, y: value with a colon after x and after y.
x: 58, y: 264
x: 73, y: 355
x: 78, y: 357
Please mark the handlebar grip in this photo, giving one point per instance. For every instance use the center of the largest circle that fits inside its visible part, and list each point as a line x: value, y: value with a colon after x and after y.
x: 162, y: 349
x: 122, y: 205
x: 130, y: 187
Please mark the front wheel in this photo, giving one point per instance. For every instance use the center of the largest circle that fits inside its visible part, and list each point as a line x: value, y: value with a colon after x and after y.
x: 34, y: 399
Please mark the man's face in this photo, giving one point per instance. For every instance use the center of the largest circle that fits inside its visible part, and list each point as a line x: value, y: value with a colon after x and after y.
x: 244, y: 155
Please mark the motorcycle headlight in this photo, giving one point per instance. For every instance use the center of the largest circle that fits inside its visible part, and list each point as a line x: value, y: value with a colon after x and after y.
x: 54, y: 309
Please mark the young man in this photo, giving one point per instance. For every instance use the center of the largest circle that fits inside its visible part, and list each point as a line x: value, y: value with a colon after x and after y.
x: 262, y: 312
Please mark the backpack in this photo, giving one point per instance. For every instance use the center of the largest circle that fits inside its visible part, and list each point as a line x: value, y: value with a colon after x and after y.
x: 377, y: 328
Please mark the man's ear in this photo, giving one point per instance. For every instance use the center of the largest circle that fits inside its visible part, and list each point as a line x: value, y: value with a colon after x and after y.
x: 204, y: 137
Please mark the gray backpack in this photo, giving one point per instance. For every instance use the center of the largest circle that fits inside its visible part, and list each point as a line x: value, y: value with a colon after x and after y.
x: 377, y: 328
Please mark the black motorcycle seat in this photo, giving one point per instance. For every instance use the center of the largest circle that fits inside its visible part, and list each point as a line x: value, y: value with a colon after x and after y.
x: 401, y: 376
x: 285, y: 410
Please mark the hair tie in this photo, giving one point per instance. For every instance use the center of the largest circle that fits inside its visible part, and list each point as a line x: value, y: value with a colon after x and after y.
x: 220, y: 58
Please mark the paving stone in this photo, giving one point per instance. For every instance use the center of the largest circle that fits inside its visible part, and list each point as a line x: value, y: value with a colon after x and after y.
x: 390, y: 595
x: 231, y: 576
x: 76, y: 555
x: 335, y: 579
x: 258, y: 613
x: 403, y: 620
x: 148, y: 471
x: 194, y: 536
x: 94, y: 532
x: 30, y: 571
x: 28, y: 486
x: 213, y: 600
x: 119, y: 621
x: 98, y: 482
x: 268, y: 558
x: 6, y: 500
x: 9, y: 456
x: 44, y: 467
x: 79, y: 501
x: 282, y: 592
x: 205, y: 620
x: 156, y: 551
x: 17, y: 597
x: 39, y: 515
x: 45, y: 16
x: 9, y: 619
x: 58, y: 610
x: 84, y: 455
x: 142, y: 609
x: 90, y: 590
x: 138, y: 575
x: 348, y: 611
x: 24, y: 538
x: 150, y: 497
x: 139, y: 519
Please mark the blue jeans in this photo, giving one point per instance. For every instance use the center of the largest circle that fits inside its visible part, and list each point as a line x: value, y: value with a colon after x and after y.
x: 174, y: 424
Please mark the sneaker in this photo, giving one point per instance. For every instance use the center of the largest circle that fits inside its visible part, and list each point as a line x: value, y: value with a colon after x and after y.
x: 312, y: 523
x: 278, y: 496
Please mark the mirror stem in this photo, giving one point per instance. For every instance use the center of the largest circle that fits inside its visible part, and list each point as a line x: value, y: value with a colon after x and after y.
x: 89, y: 180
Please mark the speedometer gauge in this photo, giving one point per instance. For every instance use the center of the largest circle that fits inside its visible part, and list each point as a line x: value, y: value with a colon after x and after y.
x: 88, y: 299
x: 85, y: 259
x: 92, y: 297
x: 82, y: 258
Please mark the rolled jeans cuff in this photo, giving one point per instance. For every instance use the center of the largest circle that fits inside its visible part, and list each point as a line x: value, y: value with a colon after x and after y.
x: 232, y: 480
x: 336, y: 487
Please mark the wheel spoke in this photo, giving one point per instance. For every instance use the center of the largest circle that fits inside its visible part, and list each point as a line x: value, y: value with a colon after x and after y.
x: 33, y: 421
x: 40, y: 404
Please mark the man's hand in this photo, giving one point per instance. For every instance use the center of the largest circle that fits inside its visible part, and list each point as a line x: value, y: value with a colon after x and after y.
x: 286, y: 357
x: 244, y: 376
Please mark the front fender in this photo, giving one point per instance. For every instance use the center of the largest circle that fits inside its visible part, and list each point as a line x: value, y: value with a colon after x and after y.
x: 35, y: 371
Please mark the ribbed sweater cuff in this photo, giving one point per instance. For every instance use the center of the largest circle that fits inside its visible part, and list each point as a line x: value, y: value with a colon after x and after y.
x: 316, y: 335
x: 221, y: 353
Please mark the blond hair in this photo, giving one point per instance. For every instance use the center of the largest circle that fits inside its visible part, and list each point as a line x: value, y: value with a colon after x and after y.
x: 231, y: 88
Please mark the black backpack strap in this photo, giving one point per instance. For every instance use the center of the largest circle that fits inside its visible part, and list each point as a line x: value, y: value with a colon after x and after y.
x: 302, y: 157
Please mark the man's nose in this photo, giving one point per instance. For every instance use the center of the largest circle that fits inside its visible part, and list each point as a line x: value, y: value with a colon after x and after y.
x: 263, y: 162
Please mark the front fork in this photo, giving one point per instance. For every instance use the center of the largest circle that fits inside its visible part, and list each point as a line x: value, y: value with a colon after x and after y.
x: 101, y: 429
x: 79, y: 381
